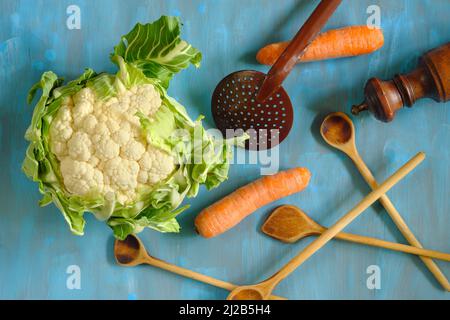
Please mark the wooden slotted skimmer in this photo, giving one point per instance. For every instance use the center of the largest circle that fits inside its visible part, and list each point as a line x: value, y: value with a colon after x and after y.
x: 252, y: 101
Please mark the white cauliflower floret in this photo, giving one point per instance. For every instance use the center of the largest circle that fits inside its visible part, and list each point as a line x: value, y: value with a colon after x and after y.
x: 103, y: 118
x: 106, y: 149
x: 83, y: 105
x: 80, y: 111
x: 79, y: 146
x: 145, y: 99
x: 156, y: 165
x: 100, y: 146
x: 112, y: 125
x: 94, y: 161
x: 115, y: 105
x: 85, y: 94
x: 101, y: 132
x: 89, y: 124
x: 61, y: 127
x: 122, y: 136
x: 80, y: 177
x: 133, y: 150
x: 61, y: 130
x: 121, y: 173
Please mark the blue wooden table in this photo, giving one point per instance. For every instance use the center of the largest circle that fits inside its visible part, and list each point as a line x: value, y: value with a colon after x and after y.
x: 36, y: 247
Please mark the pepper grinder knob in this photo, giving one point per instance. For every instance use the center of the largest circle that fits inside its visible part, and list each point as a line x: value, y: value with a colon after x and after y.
x: 431, y: 79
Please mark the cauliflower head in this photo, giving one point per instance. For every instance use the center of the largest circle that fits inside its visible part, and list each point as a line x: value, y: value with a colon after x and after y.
x: 115, y: 145
x: 101, y: 147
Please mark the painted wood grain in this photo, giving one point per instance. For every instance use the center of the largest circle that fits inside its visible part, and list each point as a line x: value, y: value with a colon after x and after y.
x: 36, y: 246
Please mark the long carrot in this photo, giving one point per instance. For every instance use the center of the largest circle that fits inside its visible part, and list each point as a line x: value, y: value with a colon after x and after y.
x: 229, y: 211
x: 338, y: 43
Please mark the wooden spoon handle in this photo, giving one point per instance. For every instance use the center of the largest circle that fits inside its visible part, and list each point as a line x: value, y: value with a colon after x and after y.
x: 398, y: 220
x: 296, y: 48
x: 196, y: 276
x: 374, y: 242
x: 343, y: 222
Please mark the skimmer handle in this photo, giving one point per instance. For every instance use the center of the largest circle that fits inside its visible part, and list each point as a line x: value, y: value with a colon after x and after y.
x: 287, y: 60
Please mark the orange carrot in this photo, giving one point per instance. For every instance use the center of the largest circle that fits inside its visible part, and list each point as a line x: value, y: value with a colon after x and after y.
x: 229, y: 211
x: 338, y: 43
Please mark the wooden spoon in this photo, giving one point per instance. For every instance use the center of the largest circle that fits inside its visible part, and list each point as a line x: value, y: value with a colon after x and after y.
x: 263, y: 289
x: 290, y: 224
x: 131, y: 252
x: 339, y: 132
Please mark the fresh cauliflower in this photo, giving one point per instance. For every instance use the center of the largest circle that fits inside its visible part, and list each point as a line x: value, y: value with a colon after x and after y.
x: 116, y: 145
x: 101, y: 147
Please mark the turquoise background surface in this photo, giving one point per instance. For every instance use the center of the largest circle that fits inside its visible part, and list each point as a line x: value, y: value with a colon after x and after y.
x: 36, y: 247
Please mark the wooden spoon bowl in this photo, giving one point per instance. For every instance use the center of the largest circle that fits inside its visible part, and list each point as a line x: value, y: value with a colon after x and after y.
x: 290, y: 224
x: 338, y: 130
x: 129, y: 252
x: 246, y: 293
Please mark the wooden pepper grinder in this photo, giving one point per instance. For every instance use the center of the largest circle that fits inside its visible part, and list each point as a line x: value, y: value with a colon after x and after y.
x: 431, y: 79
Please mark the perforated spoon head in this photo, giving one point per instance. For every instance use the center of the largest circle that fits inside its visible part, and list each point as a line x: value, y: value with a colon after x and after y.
x: 289, y: 224
x: 130, y: 252
x: 338, y: 131
x: 235, y: 108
